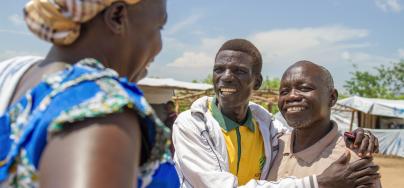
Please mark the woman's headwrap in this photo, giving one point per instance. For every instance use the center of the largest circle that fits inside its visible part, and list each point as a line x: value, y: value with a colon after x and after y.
x: 58, y: 21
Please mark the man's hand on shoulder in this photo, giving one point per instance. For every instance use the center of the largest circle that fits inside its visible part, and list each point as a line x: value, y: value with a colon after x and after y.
x: 341, y: 173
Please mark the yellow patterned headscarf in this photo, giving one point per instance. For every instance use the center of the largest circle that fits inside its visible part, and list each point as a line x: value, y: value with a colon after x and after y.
x: 58, y: 21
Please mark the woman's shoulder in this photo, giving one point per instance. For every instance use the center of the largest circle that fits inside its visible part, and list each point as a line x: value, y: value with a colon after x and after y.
x: 82, y: 91
x: 89, y: 90
x: 11, y: 71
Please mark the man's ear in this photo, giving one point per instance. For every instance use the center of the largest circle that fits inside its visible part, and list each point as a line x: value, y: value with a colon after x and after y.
x: 258, y: 82
x: 333, y: 97
x: 116, y: 17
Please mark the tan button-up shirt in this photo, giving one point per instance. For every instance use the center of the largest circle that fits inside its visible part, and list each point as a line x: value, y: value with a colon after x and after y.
x: 310, y: 161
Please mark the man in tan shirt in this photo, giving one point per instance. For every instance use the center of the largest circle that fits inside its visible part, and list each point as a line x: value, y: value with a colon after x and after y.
x: 306, y: 96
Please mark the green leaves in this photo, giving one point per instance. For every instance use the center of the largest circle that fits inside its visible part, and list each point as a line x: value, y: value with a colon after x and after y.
x: 386, y: 82
x: 208, y: 79
x: 272, y: 84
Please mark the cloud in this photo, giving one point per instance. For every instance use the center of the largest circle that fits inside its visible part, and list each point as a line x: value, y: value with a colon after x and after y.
x: 400, y: 53
x: 183, y: 24
x: 16, y: 19
x: 192, y: 60
x: 278, y: 45
x: 285, y: 44
x: 346, y: 56
x: 389, y: 5
x: 334, y: 47
x: 189, y: 61
x: 370, y: 60
x: 201, y: 56
x: 173, y: 44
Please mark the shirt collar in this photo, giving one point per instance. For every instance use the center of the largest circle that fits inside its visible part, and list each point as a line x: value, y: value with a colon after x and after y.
x: 311, y: 153
x: 226, y: 123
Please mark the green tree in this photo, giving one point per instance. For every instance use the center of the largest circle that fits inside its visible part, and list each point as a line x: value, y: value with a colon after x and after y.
x: 393, y: 77
x: 208, y: 79
x: 272, y: 84
x: 386, y: 82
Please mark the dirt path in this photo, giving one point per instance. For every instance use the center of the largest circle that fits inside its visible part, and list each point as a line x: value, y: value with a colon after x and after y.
x: 391, y: 170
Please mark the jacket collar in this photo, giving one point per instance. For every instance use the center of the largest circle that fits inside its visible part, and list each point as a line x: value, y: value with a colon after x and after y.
x: 228, y: 124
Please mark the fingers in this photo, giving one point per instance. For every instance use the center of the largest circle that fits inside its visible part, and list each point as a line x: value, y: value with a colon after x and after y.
x: 360, y: 164
x: 344, y: 159
x: 369, y: 170
x: 376, y: 145
x: 366, y: 143
x: 367, y: 180
x: 365, y: 186
x: 363, y: 146
x: 359, y: 133
x: 371, y: 146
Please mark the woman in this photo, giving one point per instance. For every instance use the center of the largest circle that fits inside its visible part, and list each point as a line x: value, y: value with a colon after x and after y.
x: 72, y: 121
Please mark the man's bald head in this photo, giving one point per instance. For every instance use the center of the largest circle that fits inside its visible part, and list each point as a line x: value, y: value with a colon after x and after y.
x: 306, y: 95
x: 325, y: 74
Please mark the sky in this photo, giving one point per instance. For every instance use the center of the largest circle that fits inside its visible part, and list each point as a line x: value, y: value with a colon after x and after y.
x: 335, y: 34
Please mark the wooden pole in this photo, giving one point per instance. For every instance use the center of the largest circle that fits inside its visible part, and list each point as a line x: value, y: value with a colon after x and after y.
x: 270, y: 106
x: 352, y: 119
x: 177, y: 106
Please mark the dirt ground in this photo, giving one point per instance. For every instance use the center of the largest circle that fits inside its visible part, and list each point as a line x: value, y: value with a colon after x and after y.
x: 391, y: 170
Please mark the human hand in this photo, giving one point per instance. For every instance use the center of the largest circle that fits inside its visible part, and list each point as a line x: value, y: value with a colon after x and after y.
x: 363, y: 142
x: 361, y: 173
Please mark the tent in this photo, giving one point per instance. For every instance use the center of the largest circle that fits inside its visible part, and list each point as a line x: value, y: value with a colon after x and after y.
x: 161, y: 90
x: 158, y: 91
x: 173, y: 84
x: 372, y: 113
x: 380, y: 107
x: 385, y: 118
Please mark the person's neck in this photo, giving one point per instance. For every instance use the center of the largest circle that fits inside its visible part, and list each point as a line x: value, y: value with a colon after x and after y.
x: 308, y: 136
x: 238, y: 114
x: 71, y: 55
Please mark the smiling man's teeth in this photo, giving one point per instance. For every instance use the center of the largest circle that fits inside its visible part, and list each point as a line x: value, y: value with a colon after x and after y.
x: 227, y: 91
x: 295, y: 109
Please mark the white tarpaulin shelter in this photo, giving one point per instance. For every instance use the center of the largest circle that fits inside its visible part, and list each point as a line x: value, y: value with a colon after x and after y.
x: 161, y: 90
x: 173, y: 84
x: 158, y: 91
x: 391, y: 141
x: 380, y: 107
x: 343, y: 119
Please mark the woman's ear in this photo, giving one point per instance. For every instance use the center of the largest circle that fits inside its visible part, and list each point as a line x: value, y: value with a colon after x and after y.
x: 116, y: 17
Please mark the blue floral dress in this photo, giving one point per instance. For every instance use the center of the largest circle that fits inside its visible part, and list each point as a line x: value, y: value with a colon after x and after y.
x: 84, y: 90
